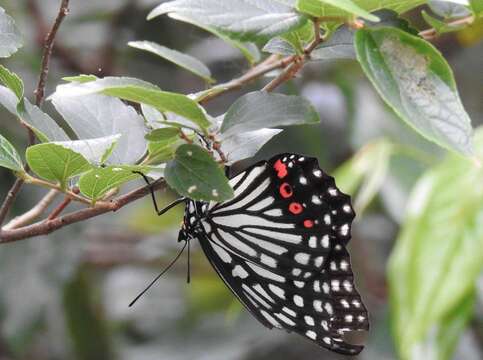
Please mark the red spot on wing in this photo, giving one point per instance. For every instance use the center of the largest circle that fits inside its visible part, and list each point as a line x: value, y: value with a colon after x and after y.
x: 308, y: 223
x: 295, y: 208
x: 286, y: 190
x: 281, y: 169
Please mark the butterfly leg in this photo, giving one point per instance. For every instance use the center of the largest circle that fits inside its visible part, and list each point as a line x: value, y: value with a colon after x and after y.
x: 153, y: 197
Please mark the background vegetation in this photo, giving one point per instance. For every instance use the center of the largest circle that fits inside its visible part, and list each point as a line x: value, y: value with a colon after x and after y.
x: 383, y: 98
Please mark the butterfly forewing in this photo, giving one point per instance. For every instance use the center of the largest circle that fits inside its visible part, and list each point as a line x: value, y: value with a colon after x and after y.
x: 279, y: 245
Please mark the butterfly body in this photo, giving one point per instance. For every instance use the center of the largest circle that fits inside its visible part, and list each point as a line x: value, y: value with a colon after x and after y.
x: 279, y: 245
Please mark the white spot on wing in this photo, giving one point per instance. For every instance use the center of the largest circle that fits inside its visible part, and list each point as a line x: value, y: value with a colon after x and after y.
x: 270, y: 319
x: 318, y: 305
x: 298, y: 300
x: 302, y: 258
x: 262, y: 204
x: 313, y: 242
x: 316, y: 200
x: 285, y: 319
x: 240, y: 272
x: 309, y: 320
x: 266, y: 273
x: 268, y: 260
x: 277, y: 290
x: 311, y: 334
x: 223, y: 254
x: 274, y: 212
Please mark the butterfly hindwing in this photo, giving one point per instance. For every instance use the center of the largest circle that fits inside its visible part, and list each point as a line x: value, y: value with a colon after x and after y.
x: 279, y: 245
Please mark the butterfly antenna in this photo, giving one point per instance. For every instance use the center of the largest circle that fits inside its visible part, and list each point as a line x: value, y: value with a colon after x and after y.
x: 188, y: 276
x: 161, y: 274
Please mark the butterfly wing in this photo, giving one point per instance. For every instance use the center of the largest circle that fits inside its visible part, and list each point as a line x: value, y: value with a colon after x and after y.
x: 279, y: 245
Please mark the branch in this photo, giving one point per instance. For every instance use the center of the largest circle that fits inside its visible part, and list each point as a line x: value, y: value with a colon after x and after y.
x: 39, y: 93
x: 9, y: 199
x: 298, y: 61
x: 48, y: 45
x: 432, y: 33
x: 33, y: 213
x: 61, y: 207
x: 250, y: 76
x: 49, y: 225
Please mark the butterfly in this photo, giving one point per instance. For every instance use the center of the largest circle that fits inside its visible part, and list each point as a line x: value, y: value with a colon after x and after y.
x: 280, y: 246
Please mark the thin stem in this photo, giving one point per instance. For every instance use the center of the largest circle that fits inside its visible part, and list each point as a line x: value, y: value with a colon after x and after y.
x: 47, y: 226
x: 35, y: 181
x: 67, y: 200
x: 33, y: 213
x: 298, y: 62
x: 48, y: 46
x: 250, y: 76
x: 432, y: 33
x: 9, y: 199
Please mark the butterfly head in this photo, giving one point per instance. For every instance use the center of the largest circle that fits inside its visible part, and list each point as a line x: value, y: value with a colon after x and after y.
x: 191, y: 225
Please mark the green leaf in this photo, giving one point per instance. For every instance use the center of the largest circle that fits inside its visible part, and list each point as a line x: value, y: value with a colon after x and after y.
x: 10, y: 38
x: 339, y: 46
x: 97, y: 115
x: 248, y: 49
x: 440, y: 26
x: 240, y: 19
x: 448, y: 9
x: 9, y: 157
x: 12, y: 81
x: 137, y: 91
x: 300, y: 37
x: 365, y: 173
x: 44, y: 127
x: 96, y: 150
x: 185, y: 61
x: 162, y: 151
x: 321, y: 9
x: 317, y: 8
x: 80, y: 78
x: 55, y: 162
x: 8, y: 99
x: 194, y: 174
x: 97, y: 182
x: 280, y: 46
x: 438, y: 257
x: 237, y: 147
x: 390, y: 18
x: 259, y: 109
x: 162, y: 134
x: 417, y: 83
x: 477, y: 7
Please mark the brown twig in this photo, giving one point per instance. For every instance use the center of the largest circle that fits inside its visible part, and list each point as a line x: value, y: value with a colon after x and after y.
x: 297, y: 63
x: 33, y: 213
x: 48, y: 46
x: 250, y: 76
x: 9, y: 199
x: 432, y: 33
x: 67, y: 200
x: 47, y: 226
x: 221, y: 154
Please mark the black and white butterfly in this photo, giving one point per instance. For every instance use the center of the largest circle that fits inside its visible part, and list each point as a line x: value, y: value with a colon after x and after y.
x: 280, y: 246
